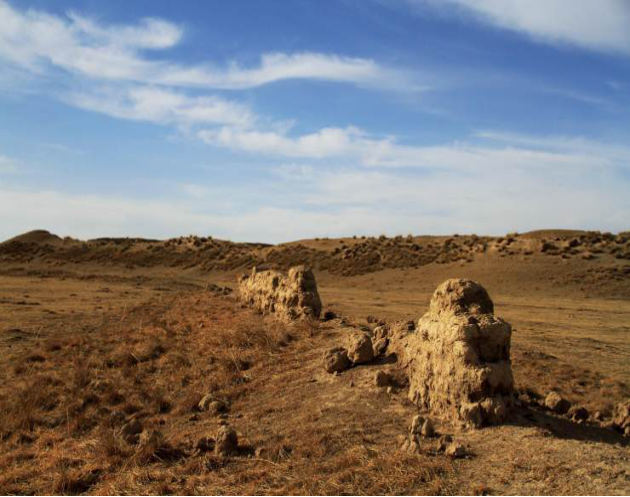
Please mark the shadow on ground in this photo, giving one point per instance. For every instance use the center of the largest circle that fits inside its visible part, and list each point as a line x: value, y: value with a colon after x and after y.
x: 565, y: 428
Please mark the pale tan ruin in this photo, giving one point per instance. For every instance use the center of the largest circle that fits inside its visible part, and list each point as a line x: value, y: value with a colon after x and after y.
x: 288, y: 297
x: 457, y: 356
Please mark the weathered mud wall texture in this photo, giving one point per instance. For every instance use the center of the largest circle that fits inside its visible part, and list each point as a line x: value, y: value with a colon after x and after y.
x: 458, y: 356
x: 288, y: 297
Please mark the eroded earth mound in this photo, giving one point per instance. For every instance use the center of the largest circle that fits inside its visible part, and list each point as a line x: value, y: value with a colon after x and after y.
x: 288, y: 297
x: 458, y: 356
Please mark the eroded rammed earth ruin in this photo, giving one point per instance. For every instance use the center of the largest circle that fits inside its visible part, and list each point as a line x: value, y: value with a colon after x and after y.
x: 457, y: 356
x: 288, y: 297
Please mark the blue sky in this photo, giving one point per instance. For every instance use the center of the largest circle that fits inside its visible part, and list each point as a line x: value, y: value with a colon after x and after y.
x: 274, y: 120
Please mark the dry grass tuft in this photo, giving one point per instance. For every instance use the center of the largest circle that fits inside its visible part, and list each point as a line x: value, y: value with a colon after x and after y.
x: 23, y: 410
x: 75, y: 481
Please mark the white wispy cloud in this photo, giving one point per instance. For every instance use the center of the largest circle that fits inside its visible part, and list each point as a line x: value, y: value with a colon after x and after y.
x: 607, y: 153
x: 295, y: 171
x: 279, y: 66
x: 600, y: 25
x: 161, y: 105
x: 355, y: 145
x: 150, y: 33
x: 59, y: 147
x: 582, y: 97
x: 327, y: 142
x: 36, y: 41
x: 90, y: 216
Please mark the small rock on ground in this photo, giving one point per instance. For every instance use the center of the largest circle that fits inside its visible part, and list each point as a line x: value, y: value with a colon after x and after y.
x: 212, y: 405
x: 557, y: 403
x: 578, y: 413
x: 336, y: 360
x: 205, y: 444
x: 360, y: 349
x: 380, y: 346
x: 443, y: 442
x: 455, y: 450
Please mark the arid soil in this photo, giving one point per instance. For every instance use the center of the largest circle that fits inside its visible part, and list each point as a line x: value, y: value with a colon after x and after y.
x: 109, y: 346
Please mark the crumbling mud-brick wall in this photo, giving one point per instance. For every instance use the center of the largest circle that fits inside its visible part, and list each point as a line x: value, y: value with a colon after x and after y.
x: 288, y: 297
x: 458, y: 356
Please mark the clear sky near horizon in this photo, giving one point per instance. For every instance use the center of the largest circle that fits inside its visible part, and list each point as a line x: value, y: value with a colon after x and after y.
x: 278, y: 120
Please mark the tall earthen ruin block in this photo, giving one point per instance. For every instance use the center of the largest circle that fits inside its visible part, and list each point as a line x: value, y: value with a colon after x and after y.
x: 458, y: 356
x: 288, y: 297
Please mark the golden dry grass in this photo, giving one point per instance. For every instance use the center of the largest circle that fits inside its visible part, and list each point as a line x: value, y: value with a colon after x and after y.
x: 61, y: 414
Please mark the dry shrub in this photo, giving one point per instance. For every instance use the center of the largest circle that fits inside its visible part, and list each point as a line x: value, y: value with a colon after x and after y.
x: 53, y: 345
x: 276, y: 451
x: 481, y: 489
x: 81, y: 375
x: 125, y: 359
x: 19, y: 369
x: 154, y: 350
x: 79, y: 423
x: 305, y: 328
x: 154, y: 398
x: 203, y: 464
x: 130, y: 408
x: 23, y: 410
x: 114, y: 398
x: 75, y: 481
x: 109, y: 447
x: 233, y: 351
x: 227, y: 376
x: 156, y: 450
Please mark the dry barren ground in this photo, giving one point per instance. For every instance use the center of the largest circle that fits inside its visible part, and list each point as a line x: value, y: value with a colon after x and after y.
x: 88, y: 345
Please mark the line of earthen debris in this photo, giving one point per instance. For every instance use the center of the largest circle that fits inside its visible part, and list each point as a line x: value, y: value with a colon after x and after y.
x: 455, y: 359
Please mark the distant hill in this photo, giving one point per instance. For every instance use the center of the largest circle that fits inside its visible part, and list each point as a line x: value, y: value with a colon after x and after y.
x: 36, y: 236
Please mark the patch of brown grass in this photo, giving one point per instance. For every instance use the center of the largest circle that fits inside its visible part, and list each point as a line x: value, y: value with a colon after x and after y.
x: 353, y: 471
x: 538, y: 373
